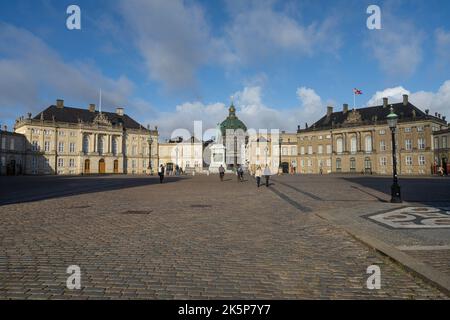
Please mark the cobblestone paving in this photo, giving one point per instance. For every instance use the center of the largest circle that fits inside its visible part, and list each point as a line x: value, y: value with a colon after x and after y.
x: 195, y: 238
x: 439, y: 259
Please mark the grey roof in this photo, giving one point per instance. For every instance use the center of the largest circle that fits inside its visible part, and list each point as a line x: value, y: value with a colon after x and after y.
x: 371, y: 115
x: 74, y: 115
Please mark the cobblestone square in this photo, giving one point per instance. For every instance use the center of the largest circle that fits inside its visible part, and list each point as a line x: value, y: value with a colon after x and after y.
x: 197, y: 238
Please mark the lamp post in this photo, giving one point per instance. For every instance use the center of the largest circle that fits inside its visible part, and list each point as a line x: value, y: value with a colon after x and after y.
x: 150, y: 142
x: 280, y: 140
x: 392, y: 119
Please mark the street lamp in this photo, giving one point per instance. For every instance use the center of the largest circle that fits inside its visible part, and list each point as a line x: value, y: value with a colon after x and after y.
x: 392, y: 119
x: 150, y: 142
x: 280, y: 140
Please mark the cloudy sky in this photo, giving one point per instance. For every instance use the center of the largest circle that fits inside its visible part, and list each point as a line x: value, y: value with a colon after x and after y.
x: 170, y: 62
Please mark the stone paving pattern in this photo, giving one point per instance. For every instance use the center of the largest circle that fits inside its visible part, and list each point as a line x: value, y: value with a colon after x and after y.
x: 191, y: 238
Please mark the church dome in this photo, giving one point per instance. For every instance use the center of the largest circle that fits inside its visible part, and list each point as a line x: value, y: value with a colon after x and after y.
x: 232, y: 122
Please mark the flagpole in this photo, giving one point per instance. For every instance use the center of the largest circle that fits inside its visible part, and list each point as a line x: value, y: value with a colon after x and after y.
x: 354, y: 99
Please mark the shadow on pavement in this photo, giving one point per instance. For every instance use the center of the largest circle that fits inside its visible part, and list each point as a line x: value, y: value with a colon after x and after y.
x: 420, y: 190
x: 22, y: 189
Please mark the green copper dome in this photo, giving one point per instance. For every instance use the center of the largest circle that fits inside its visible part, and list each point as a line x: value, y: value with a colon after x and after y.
x: 232, y: 122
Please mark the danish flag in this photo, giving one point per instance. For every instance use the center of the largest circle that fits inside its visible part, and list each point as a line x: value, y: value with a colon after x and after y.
x: 357, y: 92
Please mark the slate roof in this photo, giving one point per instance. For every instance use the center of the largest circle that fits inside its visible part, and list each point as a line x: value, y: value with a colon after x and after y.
x: 371, y: 115
x: 73, y: 115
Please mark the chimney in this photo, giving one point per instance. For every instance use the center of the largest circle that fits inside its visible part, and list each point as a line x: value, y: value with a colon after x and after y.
x: 119, y: 111
x: 329, y: 111
x: 385, y: 102
x: 306, y: 125
x: 92, y: 107
x: 298, y: 128
x: 439, y: 115
x: 60, y: 103
x: 427, y: 111
x: 444, y: 117
x: 345, y: 108
x: 405, y: 100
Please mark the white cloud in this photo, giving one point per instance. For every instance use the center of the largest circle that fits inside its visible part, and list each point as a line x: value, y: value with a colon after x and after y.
x: 394, y: 94
x: 397, y: 46
x: 172, y: 36
x: 250, y: 109
x: 258, y: 31
x: 31, y: 71
x: 434, y: 101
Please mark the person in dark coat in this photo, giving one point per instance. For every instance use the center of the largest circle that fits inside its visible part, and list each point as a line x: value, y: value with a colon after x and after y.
x: 161, y: 173
x: 221, y: 172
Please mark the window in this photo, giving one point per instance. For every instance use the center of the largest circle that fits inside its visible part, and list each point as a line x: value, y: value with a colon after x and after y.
x: 419, y: 129
x: 100, y: 145
x: 352, y: 164
x: 382, y: 145
x: 61, y: 133
x: 11, y: 144
x: 310, y: 150
x: 47, y: 146
x: 421, y: 160
x: 320, y: 137
x: 353, y: 143
x: 338, y: 164
x: 60, y: 162
x: 320, y: 149
x: 3, y: 146
x: 73, y: 134
x: 114, y: 146
x: 284, y: 151
x: 409, y: 161
x: 408, y: 129
x: 339, y: 145
x: 86, y: 144
x: 72, y: 147
x: 34, y: 163
x: 383, y: 161
x: 436, y: 143
x: 368, y: 141
x: 133, y: 164
x: 72, y: 163
x: 34, y: 146
x: 421, y: 143
x: 61, y: 147
x: 328, y: 136
x: 444, y: 142
x: 408, y: 144
x: 293, y: 151
x: 329, y: 148
x: 133, y: 150
x: 328, y: 162
x: 309, y: 163
x: 302, y: 150
x: 382, y: 132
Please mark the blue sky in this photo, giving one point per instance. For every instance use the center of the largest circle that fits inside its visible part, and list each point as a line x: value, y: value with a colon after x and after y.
x: 171, y: 62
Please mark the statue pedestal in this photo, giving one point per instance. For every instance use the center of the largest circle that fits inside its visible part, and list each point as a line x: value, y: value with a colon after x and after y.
x: 217, y: 158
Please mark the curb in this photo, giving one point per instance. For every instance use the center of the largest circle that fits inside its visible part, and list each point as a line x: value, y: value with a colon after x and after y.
x: 418, y: 268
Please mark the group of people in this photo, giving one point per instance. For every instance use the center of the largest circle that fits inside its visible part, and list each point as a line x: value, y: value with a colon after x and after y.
x: 259, y: 173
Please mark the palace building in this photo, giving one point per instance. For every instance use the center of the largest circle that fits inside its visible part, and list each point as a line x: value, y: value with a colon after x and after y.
x: 12, y: 152
x: 70, y: 141
x: 441, y: 148
x: 359, y: 140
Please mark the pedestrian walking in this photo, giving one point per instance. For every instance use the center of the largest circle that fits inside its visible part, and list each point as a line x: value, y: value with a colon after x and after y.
x: 267, y: 174
x: 221, y: 172
x: 258, y: 174
x: 161, y: 173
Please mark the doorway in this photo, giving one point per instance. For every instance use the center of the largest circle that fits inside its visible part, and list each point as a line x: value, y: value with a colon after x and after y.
x: 87, y: 166
x: 101, y: 166
x: 116, y: 166
x: 285, y: 167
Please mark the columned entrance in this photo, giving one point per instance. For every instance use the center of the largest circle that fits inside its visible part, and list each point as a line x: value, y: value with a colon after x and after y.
x: 116, y: 166
x: 101, y: 166
x: 87, y: 166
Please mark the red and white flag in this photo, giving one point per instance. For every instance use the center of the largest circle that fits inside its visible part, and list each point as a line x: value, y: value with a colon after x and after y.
x: 357, y: 91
